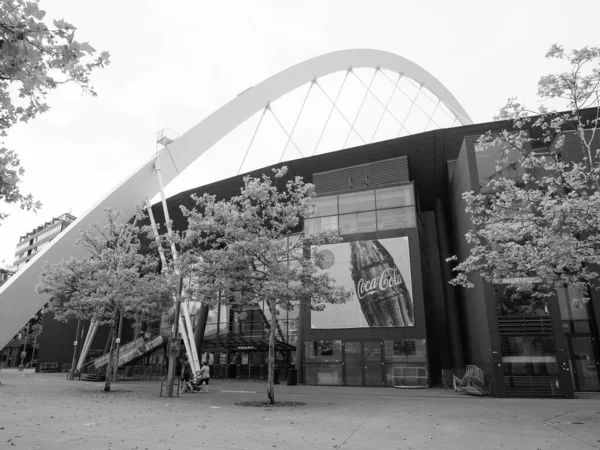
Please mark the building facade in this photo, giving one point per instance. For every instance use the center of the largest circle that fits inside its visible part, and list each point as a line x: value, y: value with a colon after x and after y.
x: 34, y: 241
x: 398, y: 205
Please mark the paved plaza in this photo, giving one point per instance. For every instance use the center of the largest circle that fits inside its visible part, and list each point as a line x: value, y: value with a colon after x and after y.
x: 45, y: 411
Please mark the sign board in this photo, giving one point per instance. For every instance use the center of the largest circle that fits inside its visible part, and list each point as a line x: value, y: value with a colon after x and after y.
x: 23, y: 354
x: 118, y: 340
x: 174, y: 348
x: 378, y: 274
x: 245, y: 347
x: 75, y: 343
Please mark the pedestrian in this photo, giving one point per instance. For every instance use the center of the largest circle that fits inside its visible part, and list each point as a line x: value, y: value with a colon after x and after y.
x: 204, y: 375
x: 187, y: 370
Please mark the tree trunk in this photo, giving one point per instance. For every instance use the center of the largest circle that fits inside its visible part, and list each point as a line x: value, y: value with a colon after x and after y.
x: 111, y: 356
x: 271, y: 382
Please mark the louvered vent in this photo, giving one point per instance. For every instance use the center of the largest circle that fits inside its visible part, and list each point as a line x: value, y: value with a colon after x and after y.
x: 373, y: 174
x: 532, y: 386
x: 520, y: 326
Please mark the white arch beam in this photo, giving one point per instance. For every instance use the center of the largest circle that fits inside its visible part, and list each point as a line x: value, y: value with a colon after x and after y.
x: 18, y: 300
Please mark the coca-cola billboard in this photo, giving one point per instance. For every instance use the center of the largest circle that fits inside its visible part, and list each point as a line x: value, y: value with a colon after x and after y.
x: 377, y: 273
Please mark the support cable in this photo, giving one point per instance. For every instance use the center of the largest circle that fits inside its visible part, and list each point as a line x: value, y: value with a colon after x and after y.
x: 341, y: 113
x: 285, y: 131
x: 331, y: 110
x: 377, y: 98
x: 450, y: 115
x: 362, y: 103
x: 413, y: 101
x: 252, y: 140
x: 432, y: 114
x: 409, y: 111
x: 297, y: 119
x: 385, y: 108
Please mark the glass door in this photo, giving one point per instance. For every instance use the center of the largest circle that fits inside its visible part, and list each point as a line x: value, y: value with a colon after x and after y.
x: 584, y: 362
x: 373, y: 363
x: 353, y: 363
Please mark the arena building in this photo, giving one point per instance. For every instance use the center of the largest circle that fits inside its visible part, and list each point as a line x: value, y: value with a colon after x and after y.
x: 398, y: 205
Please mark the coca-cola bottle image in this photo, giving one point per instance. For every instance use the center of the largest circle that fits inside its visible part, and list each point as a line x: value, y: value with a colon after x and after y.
x: 382, y: 293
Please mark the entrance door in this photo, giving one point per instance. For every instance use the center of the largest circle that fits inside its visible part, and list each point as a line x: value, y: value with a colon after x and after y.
x: 585, y: 363
x: 353, y: 363
x: 373, y: 363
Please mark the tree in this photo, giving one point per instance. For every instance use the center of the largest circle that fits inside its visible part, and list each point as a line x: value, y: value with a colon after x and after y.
x: 252, y: 248
x: 35, y: 58
x: 115, y: 279
x: 536, y: 222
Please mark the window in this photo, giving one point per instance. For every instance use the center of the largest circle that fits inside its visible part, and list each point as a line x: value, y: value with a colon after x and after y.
x: 323, y: 351
x: 358, y: 223
x: 327, y: 206
x: 511, y: 301
x: 405, y: 348
x: 395, y: 197
x: 383, y: 209
x: 396, y: 219
x: 318, y: 224
x: 357, y: 202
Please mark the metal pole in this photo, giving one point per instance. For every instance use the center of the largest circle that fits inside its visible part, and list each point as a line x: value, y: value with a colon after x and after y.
x: 174, y: 335
x: 75, y: 348
x: 23, y: 353
x: 118, y: 346
x: 33, y: 350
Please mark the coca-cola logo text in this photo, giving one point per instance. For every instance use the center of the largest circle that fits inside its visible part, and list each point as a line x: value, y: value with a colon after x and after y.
x: 388, y: 279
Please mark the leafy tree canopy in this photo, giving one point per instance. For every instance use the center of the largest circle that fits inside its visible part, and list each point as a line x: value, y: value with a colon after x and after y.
x: 253, y: 247
x: 35, y: 58
x: 536, y: 221
x: 114, y: 277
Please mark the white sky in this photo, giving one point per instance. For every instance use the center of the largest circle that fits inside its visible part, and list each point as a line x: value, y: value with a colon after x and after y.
x: 173, y: 63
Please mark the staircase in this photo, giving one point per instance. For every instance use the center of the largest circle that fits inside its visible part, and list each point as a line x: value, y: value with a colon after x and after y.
x: 96, y: 369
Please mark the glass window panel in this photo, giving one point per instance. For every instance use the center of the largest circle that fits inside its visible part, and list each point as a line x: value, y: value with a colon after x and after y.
x: 512, y: 302
x: 327, y: 206
x: 581, y: 326
x: 563, y: 302
x: 396, y: 219
x: 353, y: 363
x: 406, y: 350
x: 358, y: 223
x: 323, y: 351
x: 578, y: 306
x: 316, y: 225
x: 357, y: 202
x: 372, y: 351
x: 323, y: 374
x: 585, y: 363
x: 395, y: 197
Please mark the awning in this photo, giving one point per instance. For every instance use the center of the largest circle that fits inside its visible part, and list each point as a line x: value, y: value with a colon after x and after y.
x: 243, y: 344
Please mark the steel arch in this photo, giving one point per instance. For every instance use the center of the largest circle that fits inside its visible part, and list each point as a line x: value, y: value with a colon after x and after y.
x: 19, y: 302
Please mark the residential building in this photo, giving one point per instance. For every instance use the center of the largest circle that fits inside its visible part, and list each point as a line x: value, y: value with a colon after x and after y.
x: 35, y: 240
